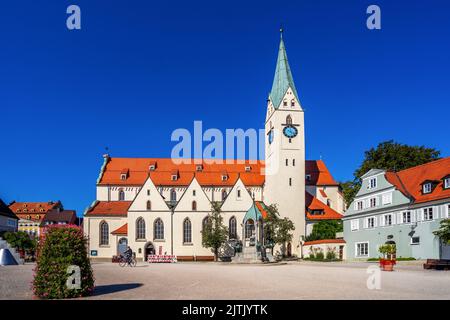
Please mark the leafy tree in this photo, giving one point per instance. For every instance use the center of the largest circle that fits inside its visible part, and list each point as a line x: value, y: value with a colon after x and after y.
x: 277, y: 230
x: 60, y: 247
x: 20, y: 240
x: 390, y: 156
x: 325, y: 229
x: 214, y: 233
x: 444, y: 231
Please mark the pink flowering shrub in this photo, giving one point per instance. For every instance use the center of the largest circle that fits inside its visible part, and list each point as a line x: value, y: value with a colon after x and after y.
x: 59, y: 247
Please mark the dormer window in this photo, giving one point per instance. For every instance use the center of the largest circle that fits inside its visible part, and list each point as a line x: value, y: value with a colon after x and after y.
x: 123, y: 177
x: 152, y: 166
x: 427, y: 187
x: 248, y: 169
x: 372, y: 183
x: 199, y: 167
x: 124, y: 174
x: 447, y: 183
x: 224, y: 176
x: 308, y: 177
x: 174, y: 175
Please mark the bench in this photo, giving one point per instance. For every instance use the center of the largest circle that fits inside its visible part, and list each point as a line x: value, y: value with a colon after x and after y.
x: 437, y: 264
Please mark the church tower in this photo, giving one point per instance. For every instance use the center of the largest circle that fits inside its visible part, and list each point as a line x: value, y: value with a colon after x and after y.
x: 285, y: 150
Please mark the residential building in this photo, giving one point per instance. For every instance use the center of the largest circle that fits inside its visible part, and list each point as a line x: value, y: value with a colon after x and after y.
x: 8, y: 220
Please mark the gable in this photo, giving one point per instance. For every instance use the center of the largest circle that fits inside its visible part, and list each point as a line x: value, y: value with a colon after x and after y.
x: 140, y: 201
x: 235, y: 203
x: 202, y: 201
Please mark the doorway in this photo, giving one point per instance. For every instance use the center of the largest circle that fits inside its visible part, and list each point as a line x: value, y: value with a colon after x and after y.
x: 289, y: 249
x: 148, y: 249
x: 122, y: 246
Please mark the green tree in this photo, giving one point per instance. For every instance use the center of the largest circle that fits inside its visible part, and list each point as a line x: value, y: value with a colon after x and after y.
x: 390, y: 156
x: 277, y: 230
x: 20, y: 240
x: 325, y: 229
x: 444, y: 231
x: 61, y: 247
x: 214, y: 233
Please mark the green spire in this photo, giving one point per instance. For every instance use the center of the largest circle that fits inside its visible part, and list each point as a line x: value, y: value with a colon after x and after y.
x: 283, y: 77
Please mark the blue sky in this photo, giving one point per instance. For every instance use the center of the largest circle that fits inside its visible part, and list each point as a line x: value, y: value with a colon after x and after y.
x: 137, y: 70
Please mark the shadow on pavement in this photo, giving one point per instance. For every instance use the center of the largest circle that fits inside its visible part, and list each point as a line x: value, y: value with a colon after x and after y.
x: 112, y: 288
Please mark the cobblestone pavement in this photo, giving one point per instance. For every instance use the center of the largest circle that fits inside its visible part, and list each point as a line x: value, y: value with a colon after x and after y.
x: 294, y: 280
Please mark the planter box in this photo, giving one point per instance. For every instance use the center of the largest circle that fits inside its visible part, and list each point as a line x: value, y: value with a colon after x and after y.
x: 387, y: 265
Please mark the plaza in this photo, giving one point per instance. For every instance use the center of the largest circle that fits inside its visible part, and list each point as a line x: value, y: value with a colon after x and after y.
x: 211, y: 281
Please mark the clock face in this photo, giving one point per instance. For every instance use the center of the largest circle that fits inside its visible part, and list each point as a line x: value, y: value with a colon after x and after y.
x: 290, y: 131
x: 270, y: 136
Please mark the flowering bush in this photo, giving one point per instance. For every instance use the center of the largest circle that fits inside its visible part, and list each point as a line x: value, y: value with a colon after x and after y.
x: 60, y: 247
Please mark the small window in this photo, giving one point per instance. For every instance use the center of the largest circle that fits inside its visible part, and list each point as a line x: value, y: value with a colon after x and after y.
x: 406, y: 217
x: 238, y: 193
x: 151, y: 167
x: 371, y: 222
x: 287, y: 162
x: 428, y: 214
x: 359, y: 205
x: 373, y: 202
x: 224, y: 177
x: 308, y: 177
x: 174, y: 177
x: 224, y: 194
x: 415, y: 240
x: 290, y: 182
x: 362, y: 249
x: 199, y: 167
x: 149, y: 205
x: 289, y: 120
x: 123, y: 176
x: 447, y: 183
x: 121, y: 195
x: 372, y: 183
x: 193, y: 193
x: 248, y: 169
x: 388, y: 220
x: 284, y: 103
x: 148, y: 192
x: 293, y: 162
x: 194, y: 205
x: 292, y: 103
x: 426, y: 188
x: 173, y: 195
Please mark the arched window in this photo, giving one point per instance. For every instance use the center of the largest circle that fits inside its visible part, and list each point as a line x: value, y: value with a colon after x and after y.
x: 187, y: 231
x: 292, y: 103
x: 232, y: 228
x: 158, y: 229
x: 224, y: 194
x: 149, y: 205
x: 194, y: 205
x: 104, y: 233
x: 206, y: 223
x: 121, y: 195
x: 284, y: 103
x: 173, y: 195
x: 289, y: 119
x: 140, y: 228
x: 249, y: 227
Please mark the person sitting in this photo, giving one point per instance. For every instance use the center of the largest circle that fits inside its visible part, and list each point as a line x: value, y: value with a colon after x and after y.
x: 128, y: 254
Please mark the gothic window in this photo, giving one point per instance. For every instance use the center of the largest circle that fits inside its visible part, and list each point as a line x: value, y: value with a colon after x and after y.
x: 104, y: 233
x: 149, y: 205
x: 289, y: 119
x: 187, y: 231
x: 121, y: 195
x: 232, y: 228
x: 249, y: 227
x: 224, y: 194
x: 205, y: 223
x: 140, y: 228
x: 194, y: 205
x: 158, y: 229
x: 173, y: 195
x: 292, y: 103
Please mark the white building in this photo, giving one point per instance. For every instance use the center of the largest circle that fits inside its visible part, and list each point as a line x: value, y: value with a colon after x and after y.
x: 157, y: 206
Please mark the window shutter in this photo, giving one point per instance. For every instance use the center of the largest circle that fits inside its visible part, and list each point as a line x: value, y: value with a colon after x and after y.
x: 375, y: 220
x: 355, y: 205
x: 366, y: 223
x: 382, y: 220
x: 399, y: 218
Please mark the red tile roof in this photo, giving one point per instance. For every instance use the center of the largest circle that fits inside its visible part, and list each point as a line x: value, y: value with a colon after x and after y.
x: 211, y: 173
x: 308, y: 243
x: 320, y: 175
x: 409, y: 181
x: 36, y: 211
x: 312, y: 203
x: 123, y: 230
x: 109, y: 208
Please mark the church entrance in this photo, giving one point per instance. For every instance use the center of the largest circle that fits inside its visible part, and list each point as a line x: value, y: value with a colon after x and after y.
x: 289, y: 249
x: 148, y: 249
x: 122, y: 246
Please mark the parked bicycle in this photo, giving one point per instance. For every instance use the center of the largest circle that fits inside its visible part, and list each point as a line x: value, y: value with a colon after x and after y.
x: 127, y: 261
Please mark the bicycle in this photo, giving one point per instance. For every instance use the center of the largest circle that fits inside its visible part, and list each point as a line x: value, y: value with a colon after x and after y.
x: 124, y: 261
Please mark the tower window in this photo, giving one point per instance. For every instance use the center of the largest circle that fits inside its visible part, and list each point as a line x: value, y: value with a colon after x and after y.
x: 289, y: 119
x: 290, y: 182
x: 293, y: 162
x: 287, y: 162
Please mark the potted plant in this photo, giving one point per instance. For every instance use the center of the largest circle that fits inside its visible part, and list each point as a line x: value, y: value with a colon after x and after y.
x: 388, y: 261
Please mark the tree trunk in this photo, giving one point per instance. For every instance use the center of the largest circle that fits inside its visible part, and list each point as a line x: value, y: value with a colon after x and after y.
x: 216, y: 254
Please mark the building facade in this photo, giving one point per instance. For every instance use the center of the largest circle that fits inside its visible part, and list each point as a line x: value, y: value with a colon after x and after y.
x: 159, y: 206
x: 401, y: 208
x: 8, y: 220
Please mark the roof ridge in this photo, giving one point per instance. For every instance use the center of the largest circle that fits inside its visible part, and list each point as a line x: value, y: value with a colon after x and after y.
x: 423, y: 164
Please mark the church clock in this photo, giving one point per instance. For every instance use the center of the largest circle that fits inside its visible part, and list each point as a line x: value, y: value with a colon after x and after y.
x: 290, y: 131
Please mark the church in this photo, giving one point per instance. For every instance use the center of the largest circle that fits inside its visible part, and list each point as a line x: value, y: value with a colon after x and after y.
x: 157, y: 206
